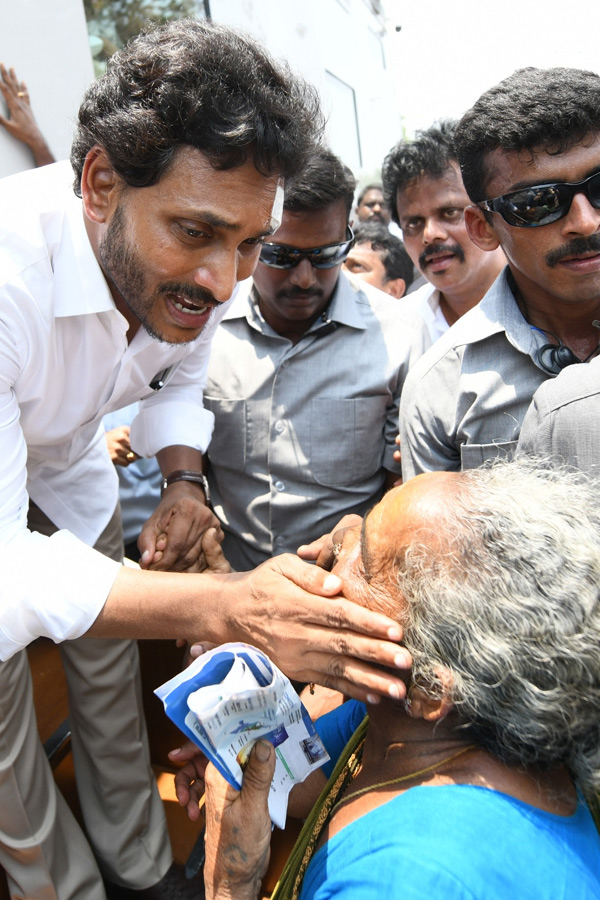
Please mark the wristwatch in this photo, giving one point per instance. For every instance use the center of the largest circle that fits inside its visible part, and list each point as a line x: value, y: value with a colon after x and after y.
x: 186, y: 475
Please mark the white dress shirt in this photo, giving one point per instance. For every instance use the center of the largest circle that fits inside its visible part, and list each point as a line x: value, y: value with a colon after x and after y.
x: 64, y: 363
x: 425, y: 302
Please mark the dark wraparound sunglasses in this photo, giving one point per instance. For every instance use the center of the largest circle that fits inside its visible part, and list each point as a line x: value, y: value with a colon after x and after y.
x: 542, y: 204
x: 280, y: 256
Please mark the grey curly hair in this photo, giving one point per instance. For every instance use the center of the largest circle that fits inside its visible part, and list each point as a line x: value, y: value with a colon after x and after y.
x: 511, y: 609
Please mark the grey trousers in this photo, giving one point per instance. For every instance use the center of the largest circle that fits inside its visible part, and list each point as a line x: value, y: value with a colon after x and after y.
x: 42, y: 848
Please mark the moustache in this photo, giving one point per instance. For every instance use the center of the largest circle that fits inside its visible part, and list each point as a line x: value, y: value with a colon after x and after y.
x: 436, y: 250
x: 298, y: 294
x: 194, y: 293
x: 574, y: 248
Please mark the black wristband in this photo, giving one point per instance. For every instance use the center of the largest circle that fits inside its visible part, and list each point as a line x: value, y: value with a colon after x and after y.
x: 186, y: 475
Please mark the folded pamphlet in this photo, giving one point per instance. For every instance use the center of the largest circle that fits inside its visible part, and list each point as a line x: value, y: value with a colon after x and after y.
x: 230, y: 697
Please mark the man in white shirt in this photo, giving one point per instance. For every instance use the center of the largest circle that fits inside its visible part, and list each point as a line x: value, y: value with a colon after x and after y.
x: 424, y: 189
x: 104, y: 300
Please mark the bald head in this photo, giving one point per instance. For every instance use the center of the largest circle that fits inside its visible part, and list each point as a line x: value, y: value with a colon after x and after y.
x: 413, y: 514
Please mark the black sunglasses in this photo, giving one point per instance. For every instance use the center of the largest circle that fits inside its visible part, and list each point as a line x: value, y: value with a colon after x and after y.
x: 542, y: 204
x: 280, y: 256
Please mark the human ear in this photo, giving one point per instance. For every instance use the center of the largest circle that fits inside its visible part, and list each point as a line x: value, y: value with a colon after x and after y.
x: 479, y: 229
x: 431, y: 706
x: 100, y: 185
x: 396, y: 287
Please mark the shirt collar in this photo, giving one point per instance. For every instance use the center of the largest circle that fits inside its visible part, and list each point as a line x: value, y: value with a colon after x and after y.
x: 501, y: 311
x: 344, y: 307
x: 80, y: 285
x: 433, y: 301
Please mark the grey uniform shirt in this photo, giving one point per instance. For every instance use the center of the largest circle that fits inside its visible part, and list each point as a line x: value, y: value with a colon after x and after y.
x: 303, y: 431
x: 465, y: 399
x: 563, y: 422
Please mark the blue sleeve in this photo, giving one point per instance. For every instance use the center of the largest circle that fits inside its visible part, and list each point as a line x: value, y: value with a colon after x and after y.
x: 337, y: 727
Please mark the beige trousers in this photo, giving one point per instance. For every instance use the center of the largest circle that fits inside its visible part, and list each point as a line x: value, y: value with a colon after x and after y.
x: 42, y: 848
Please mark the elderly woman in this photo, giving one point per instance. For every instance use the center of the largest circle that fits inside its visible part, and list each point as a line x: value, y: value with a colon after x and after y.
x: 472, y: 787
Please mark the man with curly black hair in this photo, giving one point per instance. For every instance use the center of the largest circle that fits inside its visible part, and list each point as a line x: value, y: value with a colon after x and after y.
x: 424, y: 190
x: 108, y: 295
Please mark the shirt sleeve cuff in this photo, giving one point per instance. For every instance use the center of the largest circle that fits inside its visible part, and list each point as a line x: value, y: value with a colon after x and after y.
x: 179, y: 423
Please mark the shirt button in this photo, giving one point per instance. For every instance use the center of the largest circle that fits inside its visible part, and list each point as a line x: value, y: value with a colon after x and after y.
x: 285, y: 363
x: 279, y: 426
x: 279, y: 486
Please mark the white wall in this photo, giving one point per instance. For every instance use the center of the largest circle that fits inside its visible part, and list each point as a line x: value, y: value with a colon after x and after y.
x: 46, y: 42
x: 335, y: 36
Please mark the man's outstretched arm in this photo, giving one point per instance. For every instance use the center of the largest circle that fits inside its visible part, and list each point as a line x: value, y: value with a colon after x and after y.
x: 285, y: 607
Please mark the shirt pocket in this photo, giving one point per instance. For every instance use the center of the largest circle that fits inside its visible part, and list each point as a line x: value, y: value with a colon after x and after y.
x: 228, y: 443
x: 346, y: 439
x: 472, y: 456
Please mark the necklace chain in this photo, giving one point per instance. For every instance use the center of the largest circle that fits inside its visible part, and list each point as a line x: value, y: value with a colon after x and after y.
x: 408, y: 777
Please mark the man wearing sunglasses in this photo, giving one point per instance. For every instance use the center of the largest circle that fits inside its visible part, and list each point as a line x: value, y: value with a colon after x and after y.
x: 304, y: 381
x: 529, y: 152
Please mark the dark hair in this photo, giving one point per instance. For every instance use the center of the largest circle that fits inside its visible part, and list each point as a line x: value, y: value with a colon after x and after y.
x: 430, y: 153
x: 396, y: 260
x: 531, y: 110
x: 366, y: 189
x: 199, y: 84
x: 323, y: 180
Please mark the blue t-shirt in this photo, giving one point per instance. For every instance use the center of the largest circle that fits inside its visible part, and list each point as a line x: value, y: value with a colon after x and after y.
x: 451, y: 842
